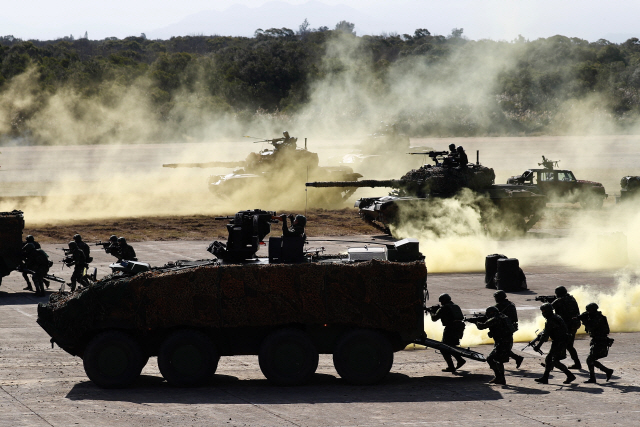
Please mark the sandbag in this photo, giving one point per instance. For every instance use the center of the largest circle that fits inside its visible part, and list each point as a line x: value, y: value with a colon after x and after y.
x: 508, y: 277
x: 491, y: 268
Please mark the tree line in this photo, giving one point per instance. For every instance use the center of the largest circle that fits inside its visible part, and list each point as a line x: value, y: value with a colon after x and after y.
x: 275, y: 71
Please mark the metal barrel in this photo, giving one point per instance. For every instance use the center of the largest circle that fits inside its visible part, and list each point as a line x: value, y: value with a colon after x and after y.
x: 393, y: 183
x: 204, y: 165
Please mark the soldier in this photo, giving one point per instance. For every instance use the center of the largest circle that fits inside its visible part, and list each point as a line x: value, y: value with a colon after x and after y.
x: 113, y: 248
x: 83, y: 247
x: 566, y: 307
x: 286, y: 142
x: 298, y: 224
x: 461, y: 156
x: 36, y: 245
x: 76, y: 258
x: 453, y: 321
x: 598, y: 328
x: 37, y: 261
x: 555, y: 329
x: 126, y: 251
x: 508, y: 308
x: 501, y: 330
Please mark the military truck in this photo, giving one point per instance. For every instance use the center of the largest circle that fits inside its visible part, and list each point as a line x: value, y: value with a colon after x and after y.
x: 277, y: 174
x: 504, y: 208
x: 561, y: 185
x: 287, y: 309
x: 11, y: 226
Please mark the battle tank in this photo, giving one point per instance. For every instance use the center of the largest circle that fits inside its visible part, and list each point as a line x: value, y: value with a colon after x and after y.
x: 510, y: 208
x: 277, y: 171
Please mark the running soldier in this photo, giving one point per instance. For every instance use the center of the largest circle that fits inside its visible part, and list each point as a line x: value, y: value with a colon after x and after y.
x: 37, y: 261
x: 555, y: 329
x: 452, y: 319
x: 76, y: 258
x: 566, y: 307
x: 501, y: 330
x: 508, y: 308
x: 597, y: 327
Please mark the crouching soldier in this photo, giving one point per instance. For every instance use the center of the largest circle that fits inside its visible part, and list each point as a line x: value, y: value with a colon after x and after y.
x: 597, y: 327
x: 555, y: 329
x: 37, y: 261
x: 453, y: 322
x: 501, y: 330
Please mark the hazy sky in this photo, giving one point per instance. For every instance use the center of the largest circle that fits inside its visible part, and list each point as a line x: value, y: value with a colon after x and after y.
x: 495, y: 19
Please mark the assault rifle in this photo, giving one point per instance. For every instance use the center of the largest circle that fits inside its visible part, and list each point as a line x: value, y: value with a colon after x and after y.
x: 432, y: 309
x: 67, y: 251
x: 52, y: 277
x: 533, y: 344
x: 476, y: 318
x: 546, y: 298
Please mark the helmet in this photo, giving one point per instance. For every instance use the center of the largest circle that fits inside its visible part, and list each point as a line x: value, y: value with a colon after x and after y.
x: 77, y: 237
x: 113, y: 238
x: 452, y: 147
x: 30, y: 239
x: 546, y: 307
x: 73, y: 245
x: 286, y: 134
x: 459, y: 148
x: 122, y: 240
x: 499, y: 296
x: 29, y: 247
x: 561, y: 291
x: 301, y: 220
x: 444, y: 298
x: 592, y: 307
x: 491, y: 311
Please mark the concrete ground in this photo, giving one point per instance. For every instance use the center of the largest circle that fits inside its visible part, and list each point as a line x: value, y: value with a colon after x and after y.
x: 41, y: 386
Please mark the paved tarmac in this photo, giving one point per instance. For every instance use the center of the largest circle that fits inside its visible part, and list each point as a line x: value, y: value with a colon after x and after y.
x: 41, y: 386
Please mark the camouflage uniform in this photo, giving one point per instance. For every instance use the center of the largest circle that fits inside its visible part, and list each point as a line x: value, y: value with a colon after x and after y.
x: 453, y: 321
x: 598, y: 328
x: 566, y: 307
x: 508, y: 308
x: 79, y: 262
x: 501, y: 330
x: 126, y: 252
x: 555, y: 329
x: 38, y: 261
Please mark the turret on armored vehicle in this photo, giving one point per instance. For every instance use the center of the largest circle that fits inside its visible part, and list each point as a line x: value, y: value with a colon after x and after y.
x: 518, y: 208
x: 281, y: 170
x: 561, y: 185
x: 360, y: 307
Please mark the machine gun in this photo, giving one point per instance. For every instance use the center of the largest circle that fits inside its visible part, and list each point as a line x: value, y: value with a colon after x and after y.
x: 546, y: 298
x: 476, y: 318
x: 548, y: 164
x: 51, y: 277
x: 247, y: 229
x: 439, y: 157
x: 533, y: 343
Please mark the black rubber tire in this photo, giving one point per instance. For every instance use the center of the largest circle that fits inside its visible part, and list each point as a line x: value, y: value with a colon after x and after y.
x: 491, y: 267
x: 288, y: 357
x: 113, y: 359
x: 363, y: 356
x: 508, y: 275
x: 188, y: 358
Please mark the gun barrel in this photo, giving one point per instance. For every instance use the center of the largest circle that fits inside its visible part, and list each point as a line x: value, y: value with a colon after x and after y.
x: 204, y: 165
x: 393, y: 183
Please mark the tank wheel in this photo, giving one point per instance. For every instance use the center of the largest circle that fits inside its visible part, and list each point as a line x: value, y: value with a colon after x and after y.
x: 363, y: 356
x: 113, y: 359
x: 288, y: 357
x: 188, y: 358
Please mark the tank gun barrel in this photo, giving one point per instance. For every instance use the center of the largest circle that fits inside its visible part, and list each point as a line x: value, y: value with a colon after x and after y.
x: 204, y: 165
x: 373, y: 183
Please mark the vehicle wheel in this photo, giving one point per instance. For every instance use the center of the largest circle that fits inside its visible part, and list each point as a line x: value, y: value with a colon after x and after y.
x: 288, y: 357
x: 113, y: 359
x: 188, y: 358
x: 363, y: 356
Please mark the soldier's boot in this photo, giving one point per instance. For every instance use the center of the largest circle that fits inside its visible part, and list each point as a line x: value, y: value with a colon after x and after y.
x: 608, y: 372
x: 544, y: 379
x: 518, y: 359
x: 592, y: 376
x: 576, y: 360
x: 72, y: 286
x: 449, y: 360
x: 460, y: 362
x: 28, y: 288
x: 46, y: 283
x: 570, y: 377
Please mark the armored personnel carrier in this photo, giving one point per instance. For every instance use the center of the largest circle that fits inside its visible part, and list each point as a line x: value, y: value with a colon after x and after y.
x: 518, y: 208
x: 561, y: 185
x: 277, y: 174
x: 287, y: 309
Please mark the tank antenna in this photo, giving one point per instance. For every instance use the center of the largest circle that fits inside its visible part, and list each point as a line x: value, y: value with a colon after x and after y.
x: 305, y: 147
x: 306, y: 189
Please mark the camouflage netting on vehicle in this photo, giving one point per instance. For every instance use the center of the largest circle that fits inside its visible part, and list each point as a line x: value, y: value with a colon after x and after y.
x: 375, y: 294
x: 449, y: 180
